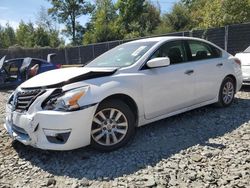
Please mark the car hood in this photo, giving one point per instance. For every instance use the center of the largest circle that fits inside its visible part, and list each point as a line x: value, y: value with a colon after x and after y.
x: 60, y: 77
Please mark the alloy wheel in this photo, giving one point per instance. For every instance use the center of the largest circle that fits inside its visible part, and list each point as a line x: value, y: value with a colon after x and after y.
x: 228, y: 92
x: 110, y: 126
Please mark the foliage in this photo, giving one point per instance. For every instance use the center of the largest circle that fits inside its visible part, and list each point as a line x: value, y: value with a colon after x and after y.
x: 217, y: 13
x: 103, y: 25
x: 125, y: 19
x: 121, y: 19
x: 67, y: 12
x: 137, y: 17
x: 179, y: 18
x: 7, y: 36
x: 236, y: 11
x: 44, y: 20
x: 28, y: 36
x: 24, y: 34
x: 41, y: 37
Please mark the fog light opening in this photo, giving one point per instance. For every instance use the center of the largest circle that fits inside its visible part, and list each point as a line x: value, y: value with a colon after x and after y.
x: 57, y: 136
x: 60, y: 138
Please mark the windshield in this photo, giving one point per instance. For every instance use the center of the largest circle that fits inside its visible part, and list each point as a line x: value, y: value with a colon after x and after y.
x: 247, y: 50
x: 122, y: 55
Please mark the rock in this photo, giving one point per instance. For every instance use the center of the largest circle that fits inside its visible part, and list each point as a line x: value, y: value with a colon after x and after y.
x: 196, y: 158
x: 51, y: 181
x: 247, y: 160
x: 166, y: 156
x: 208, y: 154
x: 150, y: 182
x: 246, y: 137
x: 173, y: 182
x: 192, y: 176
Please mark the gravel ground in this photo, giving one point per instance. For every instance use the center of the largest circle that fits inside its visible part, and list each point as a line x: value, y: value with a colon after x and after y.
x: 207, y: 147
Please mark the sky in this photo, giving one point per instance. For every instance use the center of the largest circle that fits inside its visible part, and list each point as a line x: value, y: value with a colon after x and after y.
x: 13, y: 11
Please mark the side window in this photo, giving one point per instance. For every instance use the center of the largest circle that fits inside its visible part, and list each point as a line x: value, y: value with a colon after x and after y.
x: 174, y: 50
x: 13, y: 69
x: 200, y: 50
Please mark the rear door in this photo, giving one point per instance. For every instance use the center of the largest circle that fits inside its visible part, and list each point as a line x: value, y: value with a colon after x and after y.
x: 208, y: 67
x: 12, y: 69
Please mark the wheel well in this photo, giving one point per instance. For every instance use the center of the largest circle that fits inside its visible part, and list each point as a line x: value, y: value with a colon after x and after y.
x: 127, y: 100
x: 234, y: 80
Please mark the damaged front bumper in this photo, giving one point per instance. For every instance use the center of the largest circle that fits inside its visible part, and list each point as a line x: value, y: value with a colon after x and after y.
x: 51, y: 130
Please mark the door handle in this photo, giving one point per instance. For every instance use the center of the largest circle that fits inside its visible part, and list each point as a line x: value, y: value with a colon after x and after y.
x: 219, y: 65
x: 189, y: 72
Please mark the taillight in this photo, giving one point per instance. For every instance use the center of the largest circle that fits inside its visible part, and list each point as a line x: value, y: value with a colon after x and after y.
x: 58, y: 66
x: 237, y: 61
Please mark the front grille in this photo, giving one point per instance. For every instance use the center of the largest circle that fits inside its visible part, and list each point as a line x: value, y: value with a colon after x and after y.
x: 25, y: 98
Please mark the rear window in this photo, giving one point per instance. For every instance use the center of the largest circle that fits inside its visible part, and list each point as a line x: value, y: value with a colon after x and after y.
x: 201, y: 50
x: 247, y: 50
x: 12, y: 68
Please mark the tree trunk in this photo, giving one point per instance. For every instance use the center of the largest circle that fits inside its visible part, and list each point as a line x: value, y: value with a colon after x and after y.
x: 73, y: 21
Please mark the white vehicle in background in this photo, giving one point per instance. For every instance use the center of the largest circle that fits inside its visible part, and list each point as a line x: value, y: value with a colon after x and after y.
x: 133, y: 84
x: 244, y: 57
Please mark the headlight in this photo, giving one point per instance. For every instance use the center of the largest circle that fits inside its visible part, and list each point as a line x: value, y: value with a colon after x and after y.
x: 65, y: 101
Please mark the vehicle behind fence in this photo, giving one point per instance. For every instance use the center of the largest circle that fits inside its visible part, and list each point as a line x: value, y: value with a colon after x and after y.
x: 232, y: 38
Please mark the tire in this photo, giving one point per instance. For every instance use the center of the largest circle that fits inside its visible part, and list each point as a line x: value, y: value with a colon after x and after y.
x: 113, y: 125
x: 227, y: 92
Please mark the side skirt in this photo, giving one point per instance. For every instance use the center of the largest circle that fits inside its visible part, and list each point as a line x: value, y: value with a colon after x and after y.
x: 143, y: 121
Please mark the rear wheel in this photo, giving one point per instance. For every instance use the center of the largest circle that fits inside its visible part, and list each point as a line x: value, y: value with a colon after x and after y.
x: 113, y: 125
x: 227, y: 92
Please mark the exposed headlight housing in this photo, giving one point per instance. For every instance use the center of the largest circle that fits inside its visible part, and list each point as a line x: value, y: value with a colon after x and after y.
x: 65, y: 101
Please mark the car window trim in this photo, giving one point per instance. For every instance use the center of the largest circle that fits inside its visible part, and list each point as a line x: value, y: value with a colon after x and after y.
x: 144, y: 66
x: 188, y: 49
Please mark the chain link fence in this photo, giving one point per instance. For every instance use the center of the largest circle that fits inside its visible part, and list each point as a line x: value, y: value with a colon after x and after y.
x: 232, y: 38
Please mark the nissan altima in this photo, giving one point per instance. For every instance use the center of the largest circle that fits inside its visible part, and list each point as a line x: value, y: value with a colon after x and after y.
x: 131, y: 85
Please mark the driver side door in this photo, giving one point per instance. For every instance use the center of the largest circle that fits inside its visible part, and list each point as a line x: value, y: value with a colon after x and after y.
x: 171, y: 88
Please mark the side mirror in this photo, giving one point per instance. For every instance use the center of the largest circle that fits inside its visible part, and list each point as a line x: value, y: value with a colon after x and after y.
x: 158, y: 62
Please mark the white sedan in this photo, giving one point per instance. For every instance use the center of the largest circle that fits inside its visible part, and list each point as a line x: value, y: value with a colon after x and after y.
x: 133, y: 84
x: 245, y: 63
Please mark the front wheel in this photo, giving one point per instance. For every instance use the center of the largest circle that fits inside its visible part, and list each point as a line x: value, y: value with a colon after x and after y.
x: 113, y: 125
x: 227, y: 92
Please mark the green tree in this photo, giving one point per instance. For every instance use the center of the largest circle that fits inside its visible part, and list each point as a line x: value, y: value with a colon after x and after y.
x: 236, y: 11
x: 177, y: 20
x: 130, y: 12
x: 137, y: 17
x: 217, y: 13
x: 103, y: 25
x: 150, y: 18
x: 41, y: 37
x: 55, y: 40
x: 47, y: 27
x: 25, y: 34
x: 1, y: 37
x: 7, y: 36
x: 44, y: 20
x: 67, y: 11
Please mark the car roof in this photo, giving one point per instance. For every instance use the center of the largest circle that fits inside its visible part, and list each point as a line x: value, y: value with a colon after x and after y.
x: 42, y: 60
x: 164, y: 38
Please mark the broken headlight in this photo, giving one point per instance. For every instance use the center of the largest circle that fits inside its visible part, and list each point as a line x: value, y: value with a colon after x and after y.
x: 65, y: 101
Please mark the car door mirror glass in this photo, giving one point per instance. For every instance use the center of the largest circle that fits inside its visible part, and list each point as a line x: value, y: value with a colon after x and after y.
x: 158, y: 62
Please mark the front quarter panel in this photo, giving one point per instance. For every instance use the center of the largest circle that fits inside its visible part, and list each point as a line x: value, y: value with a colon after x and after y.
x: 101, y: 88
